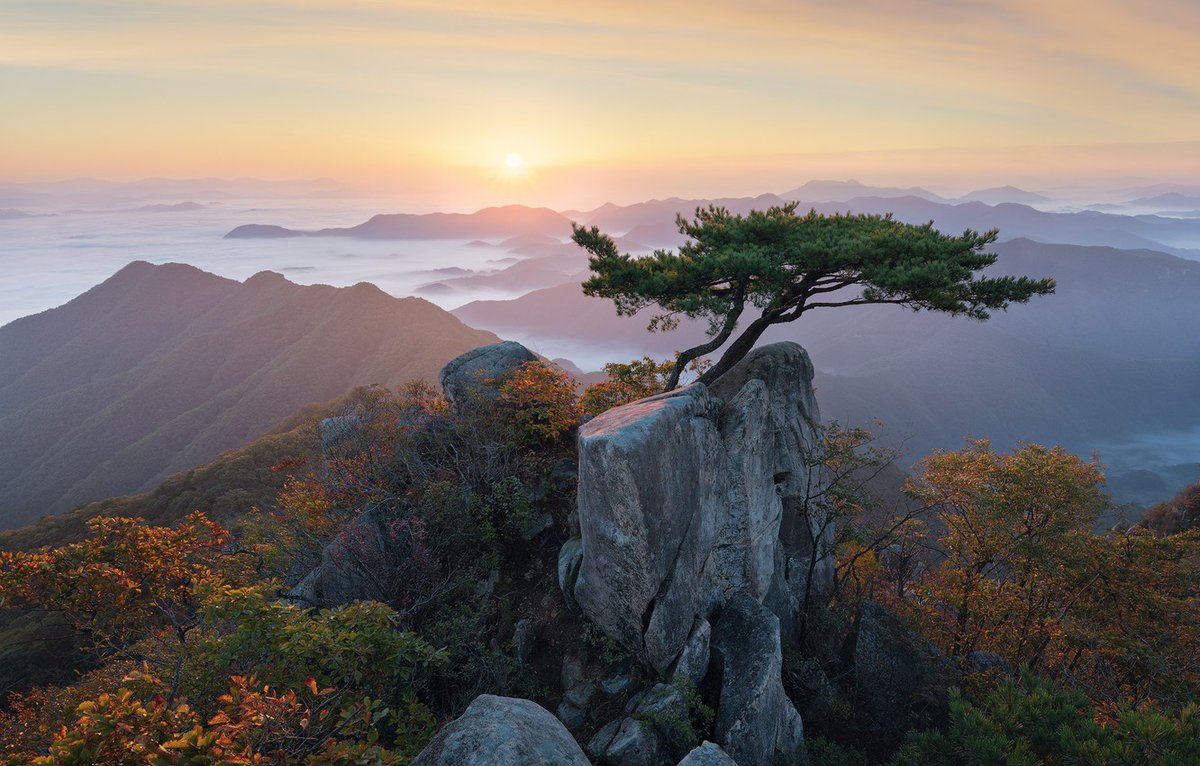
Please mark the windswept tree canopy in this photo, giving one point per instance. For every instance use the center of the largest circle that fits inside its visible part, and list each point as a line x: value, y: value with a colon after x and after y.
x: 781, y: 264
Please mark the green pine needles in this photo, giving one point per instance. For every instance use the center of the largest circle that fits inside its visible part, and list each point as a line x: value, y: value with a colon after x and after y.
x: 780, y: 265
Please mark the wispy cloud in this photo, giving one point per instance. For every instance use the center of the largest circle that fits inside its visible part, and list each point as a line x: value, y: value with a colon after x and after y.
x: 458, y: 80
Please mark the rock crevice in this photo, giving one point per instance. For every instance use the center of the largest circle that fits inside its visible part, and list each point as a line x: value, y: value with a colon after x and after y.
x: 682, y: 499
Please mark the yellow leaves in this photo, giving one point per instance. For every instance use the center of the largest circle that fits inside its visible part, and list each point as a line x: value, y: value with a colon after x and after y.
x: 627, y: 383
x: 122, y: 583
x: 994, y: 503
x: 1022, y: 573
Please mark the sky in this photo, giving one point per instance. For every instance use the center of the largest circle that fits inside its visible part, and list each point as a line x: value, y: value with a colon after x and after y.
x: 605, y: 99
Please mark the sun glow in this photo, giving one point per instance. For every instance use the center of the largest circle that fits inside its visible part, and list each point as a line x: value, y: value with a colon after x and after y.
x: 514, y: 169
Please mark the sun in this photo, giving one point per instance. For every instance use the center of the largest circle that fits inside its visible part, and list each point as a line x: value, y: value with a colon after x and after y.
x: 514, y: 169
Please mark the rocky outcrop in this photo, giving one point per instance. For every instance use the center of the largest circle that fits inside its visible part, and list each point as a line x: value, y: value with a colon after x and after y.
x: 682, y: 500
x: 756, y: 722
x: 901, y: 680
x: 343, y: 576
x: 578, y: 691
x: 655, y: 731
x: 570, y: 556
x: 980, y: 661
x: 792, y: 418
x: 475, y: 371
x: 502, y: 731
x: 692, y: 663
x: 340, y: 578
x: 707, y: 754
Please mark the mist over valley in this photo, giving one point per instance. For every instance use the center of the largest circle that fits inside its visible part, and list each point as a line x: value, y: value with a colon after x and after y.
x: 1109, y: 363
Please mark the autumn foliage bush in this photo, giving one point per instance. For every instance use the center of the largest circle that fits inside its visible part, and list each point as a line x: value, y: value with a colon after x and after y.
x: 196, y: 668
x: 999, y: 553
x: 430, y: 507
x: 441, y: 514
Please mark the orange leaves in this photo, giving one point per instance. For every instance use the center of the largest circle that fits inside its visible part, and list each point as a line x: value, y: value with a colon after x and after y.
x: 541, y: 400
x: 124, y: 581
x: 1021, y: 572
x: 999, y: 508
x: 626, y: 383
x: 307, y: 501
x: 253, y: 725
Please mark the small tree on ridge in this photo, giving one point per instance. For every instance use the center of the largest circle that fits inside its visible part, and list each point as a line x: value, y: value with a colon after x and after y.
x: 782, y: 265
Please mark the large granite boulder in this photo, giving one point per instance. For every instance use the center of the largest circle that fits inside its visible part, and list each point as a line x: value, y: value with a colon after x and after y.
x: 682, y: 503
x: 756, y: 723
x: 503, y: 731
x: 901, y: 680
x: 475, y: 371
x: 707, y: 754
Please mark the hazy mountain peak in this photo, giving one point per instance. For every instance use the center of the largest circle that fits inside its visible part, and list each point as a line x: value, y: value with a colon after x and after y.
x: 999, y: 194
x: 489, y: 222
x: 266, y: 276
x: 841, y: 191
x: 161, y: 367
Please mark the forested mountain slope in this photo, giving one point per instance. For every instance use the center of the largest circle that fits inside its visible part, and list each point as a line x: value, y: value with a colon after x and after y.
x: 160, y: 368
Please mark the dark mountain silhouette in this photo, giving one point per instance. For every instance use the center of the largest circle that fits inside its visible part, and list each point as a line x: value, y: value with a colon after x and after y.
x: 547, y: 265
x: 492, y: 222
x: 1113, y: 355
x: 160, y: 368
x: 657, y: 215
x: 652, y: 224
x: 528, y: 273
x: 262, y: 231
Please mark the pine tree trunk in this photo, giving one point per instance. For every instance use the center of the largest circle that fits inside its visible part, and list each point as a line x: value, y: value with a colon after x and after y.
x: 741, y: 346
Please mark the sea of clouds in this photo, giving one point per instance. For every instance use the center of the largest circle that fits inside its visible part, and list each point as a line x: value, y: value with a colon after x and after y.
x: 49, y: 258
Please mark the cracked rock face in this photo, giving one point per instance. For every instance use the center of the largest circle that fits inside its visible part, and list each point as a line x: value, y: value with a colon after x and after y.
x: 756, y: 722
x: 690, y: 497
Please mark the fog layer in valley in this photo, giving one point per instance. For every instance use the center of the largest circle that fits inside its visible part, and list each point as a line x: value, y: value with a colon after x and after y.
x: 1111, y: 363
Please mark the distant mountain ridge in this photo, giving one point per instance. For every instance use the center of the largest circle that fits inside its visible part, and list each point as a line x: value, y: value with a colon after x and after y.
x: 999, y: 194
x: 160, y: 368
x: 835, y: 191
x: 507, y: 221
x: 650, y: 224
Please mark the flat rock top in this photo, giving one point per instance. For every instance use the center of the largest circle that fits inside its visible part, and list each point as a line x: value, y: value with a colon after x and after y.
x: 640, y: 417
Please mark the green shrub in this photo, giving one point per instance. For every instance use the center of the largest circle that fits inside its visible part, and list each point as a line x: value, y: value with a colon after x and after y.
x: 1027, y: 722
